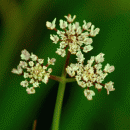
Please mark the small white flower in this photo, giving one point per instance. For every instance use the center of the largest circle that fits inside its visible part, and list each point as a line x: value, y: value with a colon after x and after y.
x: 77, y: 25
x: 25, y: 55
x: 73, y: 48
x: 94, y: 32
x: 109, y: 68
x: 36, y: 84
x: 84, y: 35
x: 74, y: 66
x: 87, y: 41
x: 61, y: 33
x: 54, y: 38
x: 78, y: 30
x: 34, y: 57
x: 26, y: 75
x: 32, y: 81
x: 91, y: 60
x: 99, y: 58
x: 44, y: 67
x: 98, y: 66
x: 30, y: 90
x: 99, y: 79
x: 93, y: 78
x: 40, y: 61
x: 87, y: 67
x: 99, y: 72
x: 109, y: 86
x: 51, y: 61
x: 51, y: 25
x: 31, y: 63
x: 61, y: 52
x: 17, y: 71
x: 91, y: 70
x: 82, y: 84
x: 78, y: 78
x: 87, y: 48
x: 24, y: 83
x: 86, y: 26
x: 28, y: 69
x: 85, y: 78
x: 88, y: 94
x: 23, y: 64
x: 70, y: 71
x: 98, y: 86
x: 80, y: 57
x: 69, y: 19
x: 39, y: 78
x: 49, y: 70
x: 71, y: 28
x: 104, y: 75
x: 63, y: 45
x: 37, y: 64
x: 46, y: 77
x: 63, y: 24
x: 89, y: 84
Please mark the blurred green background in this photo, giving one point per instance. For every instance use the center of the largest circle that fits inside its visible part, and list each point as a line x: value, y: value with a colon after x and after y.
x: 23, y: 26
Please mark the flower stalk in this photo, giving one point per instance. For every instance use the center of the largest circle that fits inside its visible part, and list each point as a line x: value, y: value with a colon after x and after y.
x: 60, y: 95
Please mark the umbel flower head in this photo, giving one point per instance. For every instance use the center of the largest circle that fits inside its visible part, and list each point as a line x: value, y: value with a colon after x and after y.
x: 33, y: 70
x: 72, y: 35
x: 91, y: 74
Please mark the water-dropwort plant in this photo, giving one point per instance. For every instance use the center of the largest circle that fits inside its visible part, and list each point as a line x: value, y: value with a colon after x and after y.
x: 73, y: 39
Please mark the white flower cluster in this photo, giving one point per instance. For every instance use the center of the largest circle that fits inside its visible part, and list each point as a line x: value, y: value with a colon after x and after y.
x: 35, y: 70
x: 88, y: 75
x: 73, y: 35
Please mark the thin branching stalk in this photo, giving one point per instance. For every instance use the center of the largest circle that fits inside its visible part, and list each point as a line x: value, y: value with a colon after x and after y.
x: 57, y: 78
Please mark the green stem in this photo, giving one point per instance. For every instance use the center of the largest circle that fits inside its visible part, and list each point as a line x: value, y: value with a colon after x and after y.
x: 60, y: 95
x: 57, y: 111
x: 70, y: 80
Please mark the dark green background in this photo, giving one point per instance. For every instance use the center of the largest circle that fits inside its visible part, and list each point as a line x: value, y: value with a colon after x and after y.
x: 23, y: 26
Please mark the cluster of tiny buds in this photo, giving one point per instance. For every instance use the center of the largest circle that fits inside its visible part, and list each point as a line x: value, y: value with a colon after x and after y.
x: 73, y: 35
x: 88, y: 75
x: 33, y: 70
